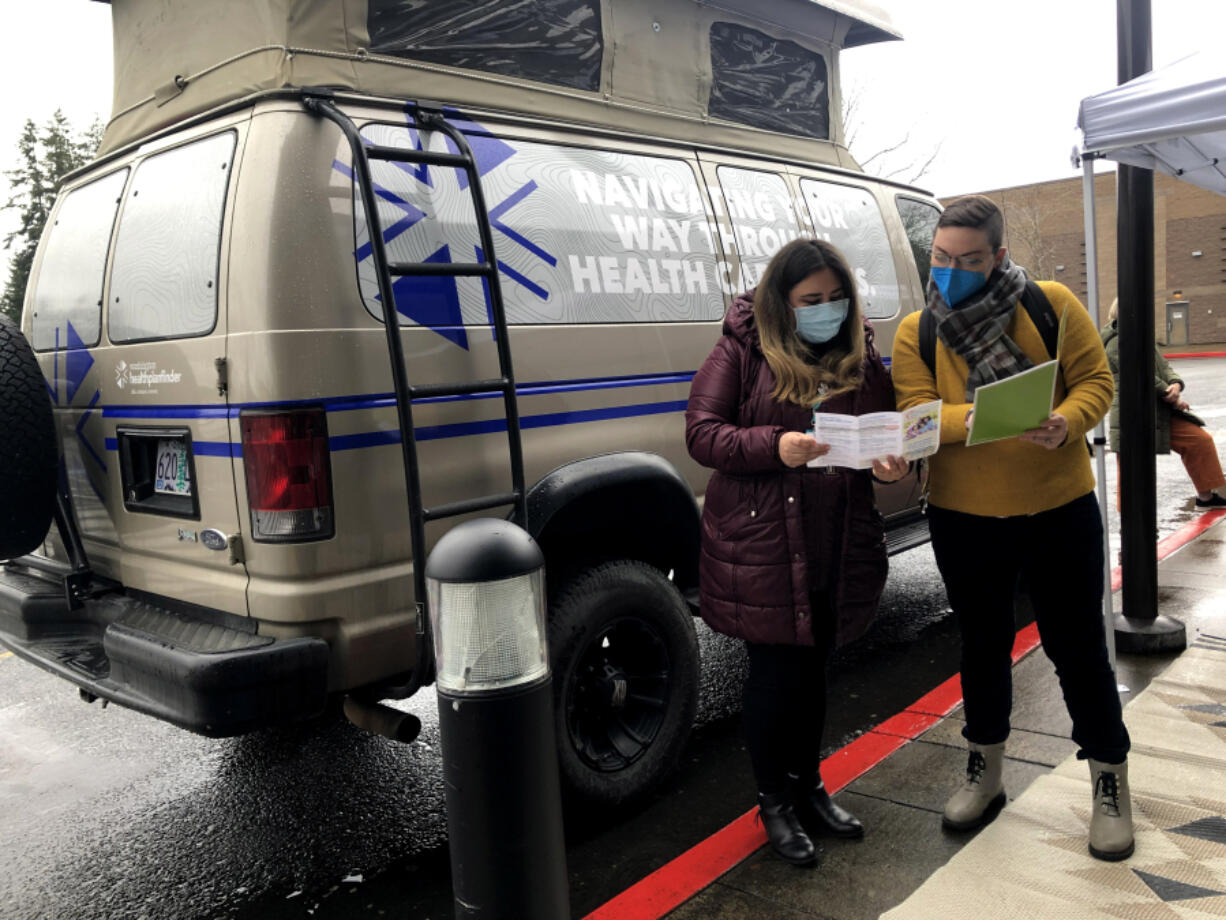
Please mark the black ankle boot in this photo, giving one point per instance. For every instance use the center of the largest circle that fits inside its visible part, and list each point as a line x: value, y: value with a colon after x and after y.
x: 818, y: 814
x: 787, y: 837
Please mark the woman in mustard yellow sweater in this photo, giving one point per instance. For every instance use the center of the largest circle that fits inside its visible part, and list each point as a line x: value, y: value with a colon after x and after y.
x: 1022, y: 506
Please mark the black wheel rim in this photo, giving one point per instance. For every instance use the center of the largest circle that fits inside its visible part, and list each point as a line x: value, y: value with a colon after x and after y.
x: 618, y: 694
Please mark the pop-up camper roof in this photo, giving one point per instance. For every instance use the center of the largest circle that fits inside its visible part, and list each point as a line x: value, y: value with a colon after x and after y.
x: 723, y: 72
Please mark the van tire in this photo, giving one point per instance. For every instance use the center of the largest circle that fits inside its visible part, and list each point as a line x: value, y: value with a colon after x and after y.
x: 28, y: 457
x: 620, y: 634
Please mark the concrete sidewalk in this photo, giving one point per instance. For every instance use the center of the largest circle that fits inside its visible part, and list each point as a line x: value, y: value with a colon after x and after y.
x: 900, y: 799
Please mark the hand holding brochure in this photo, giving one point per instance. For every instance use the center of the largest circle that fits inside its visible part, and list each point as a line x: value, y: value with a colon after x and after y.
x: 857, y: 440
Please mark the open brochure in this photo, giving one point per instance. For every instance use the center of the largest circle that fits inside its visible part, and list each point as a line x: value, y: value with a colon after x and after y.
x: 1006, y: 408
x: 857, y: 440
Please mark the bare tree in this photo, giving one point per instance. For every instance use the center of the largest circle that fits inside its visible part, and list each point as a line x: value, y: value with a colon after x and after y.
x: 900, y: 159
x: 1024, y: 226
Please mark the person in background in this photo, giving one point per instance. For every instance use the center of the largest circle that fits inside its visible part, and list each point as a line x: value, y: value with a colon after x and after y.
x: 1021, y: 506
x: 1178, y: 429
x: 793, y: 557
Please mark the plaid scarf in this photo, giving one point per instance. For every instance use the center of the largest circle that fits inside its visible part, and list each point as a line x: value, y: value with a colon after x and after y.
x: 976, y: 328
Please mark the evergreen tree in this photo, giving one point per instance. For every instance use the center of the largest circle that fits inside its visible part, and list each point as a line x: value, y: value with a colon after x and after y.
x: 45, y: 156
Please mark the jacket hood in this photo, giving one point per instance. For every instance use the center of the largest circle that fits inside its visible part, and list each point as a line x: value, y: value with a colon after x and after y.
x: 739, y: 321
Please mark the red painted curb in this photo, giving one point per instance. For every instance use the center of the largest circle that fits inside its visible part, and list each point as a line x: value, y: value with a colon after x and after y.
x: 681, y: 879
x: 941, y: 700
x: 676, y: 882
x: 1180, y: 538
x: 1195, y: 354
x: 1189, y: 532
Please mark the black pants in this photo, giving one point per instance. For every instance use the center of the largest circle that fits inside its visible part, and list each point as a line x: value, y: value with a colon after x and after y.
x: 785, y: 712
x: 1059, y: 556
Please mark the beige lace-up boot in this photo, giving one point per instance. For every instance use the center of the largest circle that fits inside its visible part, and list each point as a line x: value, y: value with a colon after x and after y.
x: 1111, y: 820
x: 982, y: 794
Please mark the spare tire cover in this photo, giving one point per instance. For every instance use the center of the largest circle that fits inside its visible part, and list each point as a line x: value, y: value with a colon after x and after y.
x: 28, y: 455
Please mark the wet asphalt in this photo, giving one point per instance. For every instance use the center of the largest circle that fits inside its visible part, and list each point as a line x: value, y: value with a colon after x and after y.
x: 108, y: 814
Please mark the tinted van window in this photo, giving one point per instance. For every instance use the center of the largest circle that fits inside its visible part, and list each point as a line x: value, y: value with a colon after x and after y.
x: 68, y: 298
x: 164, y: 279
x: 849, y: 218
x: 768, y: 83
x: 581, y: 236
x: 919, y: 219
x: 760, y: 211
x: 550, y: 41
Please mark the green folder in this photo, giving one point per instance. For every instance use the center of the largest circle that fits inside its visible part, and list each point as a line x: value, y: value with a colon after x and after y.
x: 1008, y: 407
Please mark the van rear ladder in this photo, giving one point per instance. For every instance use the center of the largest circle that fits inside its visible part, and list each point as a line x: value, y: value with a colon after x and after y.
x: 430, y: 118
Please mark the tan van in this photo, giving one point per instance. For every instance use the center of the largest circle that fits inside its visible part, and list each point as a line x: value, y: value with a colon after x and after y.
x: 250, y: 464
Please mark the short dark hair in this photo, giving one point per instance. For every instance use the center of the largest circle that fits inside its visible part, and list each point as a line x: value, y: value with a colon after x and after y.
x: 978, y: 212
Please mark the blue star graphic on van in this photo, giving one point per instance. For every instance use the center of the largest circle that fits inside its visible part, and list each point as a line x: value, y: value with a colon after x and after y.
x: 436, y: 303
x: 77, y: 364
x: 489, y: 151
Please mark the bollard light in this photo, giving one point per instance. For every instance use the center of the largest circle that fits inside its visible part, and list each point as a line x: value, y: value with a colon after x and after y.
x: 486, y: 601
x: 485, y: 582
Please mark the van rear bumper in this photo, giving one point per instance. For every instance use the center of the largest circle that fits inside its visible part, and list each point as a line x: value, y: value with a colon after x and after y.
x: 213, y: 678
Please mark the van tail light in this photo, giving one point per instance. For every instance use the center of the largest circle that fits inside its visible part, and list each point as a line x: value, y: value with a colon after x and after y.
x: 289, y: 475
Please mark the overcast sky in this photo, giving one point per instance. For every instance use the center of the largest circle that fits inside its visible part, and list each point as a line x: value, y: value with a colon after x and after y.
x: 995, y: 84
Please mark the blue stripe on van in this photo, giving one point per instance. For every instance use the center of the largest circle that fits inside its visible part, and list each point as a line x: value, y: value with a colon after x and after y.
x: 384, y: 400
x: 366, y: 439
x: 494, y: 425
x: 455, y: 430
x: 199, y: 448
x: 165, y: 412
x: 569, y: 386
x: 216, y: 449
x: 595, y: 415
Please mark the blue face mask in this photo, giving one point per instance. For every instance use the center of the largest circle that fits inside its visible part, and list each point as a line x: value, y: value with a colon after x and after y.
x: 820, y: 322
x: 957, y: 284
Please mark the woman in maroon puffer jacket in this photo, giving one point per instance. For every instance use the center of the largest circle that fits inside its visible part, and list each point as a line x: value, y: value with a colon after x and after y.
x: 793, y: 557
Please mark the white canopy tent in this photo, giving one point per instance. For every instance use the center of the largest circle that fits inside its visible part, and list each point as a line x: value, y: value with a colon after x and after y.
x: 1171, y: 120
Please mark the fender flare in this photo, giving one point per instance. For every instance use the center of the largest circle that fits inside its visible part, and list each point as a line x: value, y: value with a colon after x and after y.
x: 634, y: 493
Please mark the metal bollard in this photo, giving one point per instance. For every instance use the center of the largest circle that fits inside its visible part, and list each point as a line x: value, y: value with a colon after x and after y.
x: 485, y: 581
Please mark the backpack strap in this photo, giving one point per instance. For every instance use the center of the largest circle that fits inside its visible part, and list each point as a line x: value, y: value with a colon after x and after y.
x: 1044, y: 319
x: 1042, y: 315
x: 928, y: 340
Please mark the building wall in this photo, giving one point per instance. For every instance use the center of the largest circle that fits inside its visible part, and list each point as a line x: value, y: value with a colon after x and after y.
x: 1045, y: 233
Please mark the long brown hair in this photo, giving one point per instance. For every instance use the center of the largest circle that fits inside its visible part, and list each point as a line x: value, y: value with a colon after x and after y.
x: 798, y: 377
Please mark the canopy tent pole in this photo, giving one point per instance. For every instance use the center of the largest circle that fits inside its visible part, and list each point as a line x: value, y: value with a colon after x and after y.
x: 1141, y: 628
x: 1100, y: 440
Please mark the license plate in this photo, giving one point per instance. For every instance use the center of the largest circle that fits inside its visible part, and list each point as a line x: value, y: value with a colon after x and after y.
x: 172, y: 475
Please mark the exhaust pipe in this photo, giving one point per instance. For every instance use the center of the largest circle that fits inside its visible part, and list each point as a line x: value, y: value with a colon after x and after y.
x: 382, y: 720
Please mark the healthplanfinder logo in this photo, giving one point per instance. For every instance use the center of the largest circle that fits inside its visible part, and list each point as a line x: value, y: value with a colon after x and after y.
x: 140, y: 377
